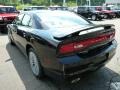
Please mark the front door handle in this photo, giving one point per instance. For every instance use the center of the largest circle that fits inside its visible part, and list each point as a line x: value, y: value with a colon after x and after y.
x: 24, y: 34
x: 15, y: 30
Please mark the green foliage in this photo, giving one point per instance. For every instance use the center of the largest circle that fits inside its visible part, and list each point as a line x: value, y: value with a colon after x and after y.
x: 71, y: 3
x: 40, y: 2
x: 97, y: 2
x: 47, y: 2
x: 21, y: 6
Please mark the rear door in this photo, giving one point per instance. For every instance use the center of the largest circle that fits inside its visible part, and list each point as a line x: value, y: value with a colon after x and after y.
x: 22, y: 32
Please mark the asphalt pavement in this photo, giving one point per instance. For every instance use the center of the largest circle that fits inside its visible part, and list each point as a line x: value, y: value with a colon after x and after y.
x: 15, y: 73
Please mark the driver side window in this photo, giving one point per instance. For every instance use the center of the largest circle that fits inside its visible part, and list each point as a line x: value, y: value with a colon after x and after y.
x: 26, y: 20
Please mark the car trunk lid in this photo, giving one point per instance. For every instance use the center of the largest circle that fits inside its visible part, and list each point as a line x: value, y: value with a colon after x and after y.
x: 83, y: 40
x: 63, y: 33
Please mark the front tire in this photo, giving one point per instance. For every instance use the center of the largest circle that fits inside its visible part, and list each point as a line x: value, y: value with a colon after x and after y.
x: 35, y: 63
x: 10, y: 40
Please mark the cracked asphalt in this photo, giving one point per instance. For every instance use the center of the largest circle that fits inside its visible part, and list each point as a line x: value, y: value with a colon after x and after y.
x: 15, y: 73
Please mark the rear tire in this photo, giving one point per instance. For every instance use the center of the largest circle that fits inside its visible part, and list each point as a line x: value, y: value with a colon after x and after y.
x: 94, y: 17
x: 35, y: 63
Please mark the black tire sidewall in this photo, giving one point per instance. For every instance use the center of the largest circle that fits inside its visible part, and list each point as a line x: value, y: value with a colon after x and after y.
x: 39, y: 63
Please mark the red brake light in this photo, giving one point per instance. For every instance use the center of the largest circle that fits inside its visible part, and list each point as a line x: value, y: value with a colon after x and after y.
x: 67, y: 48
x: 78, y: 46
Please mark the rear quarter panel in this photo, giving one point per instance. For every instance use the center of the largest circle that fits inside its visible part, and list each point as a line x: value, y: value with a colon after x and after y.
x: 46, y: 51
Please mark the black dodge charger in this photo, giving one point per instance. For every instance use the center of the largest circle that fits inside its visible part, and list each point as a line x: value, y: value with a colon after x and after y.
x: 62, y: 44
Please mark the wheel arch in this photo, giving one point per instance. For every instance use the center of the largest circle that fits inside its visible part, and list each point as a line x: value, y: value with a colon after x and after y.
x: 28, y: 46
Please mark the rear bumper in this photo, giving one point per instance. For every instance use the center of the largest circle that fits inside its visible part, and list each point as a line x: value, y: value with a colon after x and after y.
x: 74, y: 66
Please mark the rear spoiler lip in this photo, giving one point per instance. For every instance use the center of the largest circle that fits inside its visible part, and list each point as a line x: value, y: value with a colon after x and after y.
x: 94, y: 26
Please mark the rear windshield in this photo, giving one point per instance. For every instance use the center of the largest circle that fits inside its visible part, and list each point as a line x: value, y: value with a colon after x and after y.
x: 7, y: 10
x: 62, y: 19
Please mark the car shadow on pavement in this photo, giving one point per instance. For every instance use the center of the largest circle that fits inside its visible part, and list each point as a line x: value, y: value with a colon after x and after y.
x: 103, y: 79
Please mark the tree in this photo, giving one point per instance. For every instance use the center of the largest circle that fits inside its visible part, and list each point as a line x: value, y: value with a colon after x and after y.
x: 40, y: 2
x: 55, y: 2
x: 97, y: 2
x: 27, y: 1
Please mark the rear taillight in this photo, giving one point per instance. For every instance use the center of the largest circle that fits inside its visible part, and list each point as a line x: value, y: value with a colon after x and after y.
x: 79, y: 46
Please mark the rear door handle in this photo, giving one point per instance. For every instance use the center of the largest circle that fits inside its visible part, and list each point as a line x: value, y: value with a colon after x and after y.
x: 14, y: 29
